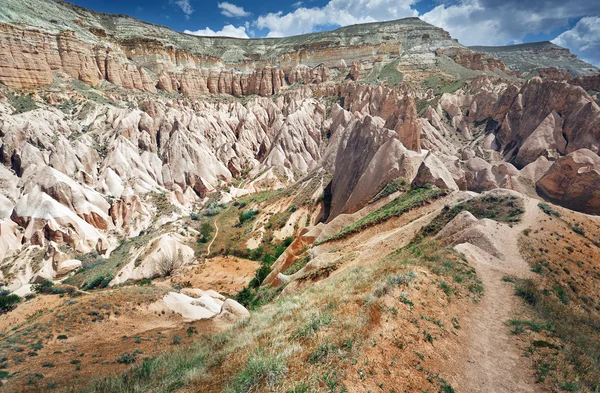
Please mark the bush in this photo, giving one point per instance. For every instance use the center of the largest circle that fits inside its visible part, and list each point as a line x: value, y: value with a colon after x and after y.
x: 127, y: 358
x: 578, y: 230
x: 205, y: 231
x: 168, y: 264
x: 8, y: 303
x: 260, y: 276
x: 248, y: 215
x: 45, y: 287
x: 527, y: 290
x: 548, y: 210
x: 212, y: 210
x: 176, y: 340
x: 99, y: 282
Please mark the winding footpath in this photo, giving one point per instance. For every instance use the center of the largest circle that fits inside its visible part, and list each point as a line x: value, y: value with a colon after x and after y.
x: 493, y: 362
x: 216, y: 232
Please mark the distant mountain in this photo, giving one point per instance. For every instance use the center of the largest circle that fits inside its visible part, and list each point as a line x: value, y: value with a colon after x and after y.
x: 527, y: 57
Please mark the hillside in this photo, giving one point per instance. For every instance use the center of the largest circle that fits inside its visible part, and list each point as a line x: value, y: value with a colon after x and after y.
x: 375, y: 208
x: 527, y: 57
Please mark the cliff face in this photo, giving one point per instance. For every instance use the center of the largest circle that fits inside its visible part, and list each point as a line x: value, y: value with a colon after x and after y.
x: 95, y: 47
x: 527, y: 58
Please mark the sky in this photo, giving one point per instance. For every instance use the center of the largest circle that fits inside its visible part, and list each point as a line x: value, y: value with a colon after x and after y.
x: 574, y: 24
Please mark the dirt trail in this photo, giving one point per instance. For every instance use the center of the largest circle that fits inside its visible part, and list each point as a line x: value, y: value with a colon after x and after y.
x: 491, y: 361
x: 216, y: 233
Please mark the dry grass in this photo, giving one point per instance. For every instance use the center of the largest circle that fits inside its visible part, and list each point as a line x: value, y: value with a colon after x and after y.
x: 564, y: 296
x: 314, y: 340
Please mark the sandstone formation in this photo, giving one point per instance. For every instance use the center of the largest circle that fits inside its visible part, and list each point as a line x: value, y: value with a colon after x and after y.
x: 125, y: 129
x: 573, y: 181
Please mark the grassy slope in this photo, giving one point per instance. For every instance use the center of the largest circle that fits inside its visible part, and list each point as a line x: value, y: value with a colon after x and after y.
x: 564, y: 339
x: 312, y: 341
x: 410, y: 200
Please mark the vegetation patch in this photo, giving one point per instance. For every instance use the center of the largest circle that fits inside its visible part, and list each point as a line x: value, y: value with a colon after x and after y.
x: 297, y: 265
x: 248, y: 215
x: 577, y: 330
x: 21, y: 102
x: 97, y: 272
x: 548, y: 210
x: 260, y: 371
x: 410, y: 200
x: 8, y: 303
x: 501, y: 208
x: 395, y: 186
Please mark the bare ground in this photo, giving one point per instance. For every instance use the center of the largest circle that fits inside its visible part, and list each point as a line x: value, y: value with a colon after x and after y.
x: 491, y: 361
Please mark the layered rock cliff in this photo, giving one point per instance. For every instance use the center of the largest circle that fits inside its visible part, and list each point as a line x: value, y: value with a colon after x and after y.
x: 527, y: 58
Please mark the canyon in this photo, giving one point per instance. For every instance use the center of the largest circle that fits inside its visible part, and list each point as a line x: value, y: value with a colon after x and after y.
x: 182, y: 188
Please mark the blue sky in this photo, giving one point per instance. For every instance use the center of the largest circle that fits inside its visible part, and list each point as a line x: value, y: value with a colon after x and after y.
x: 571, y: 23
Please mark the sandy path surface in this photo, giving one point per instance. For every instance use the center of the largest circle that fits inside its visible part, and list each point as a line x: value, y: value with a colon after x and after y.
x: 216, y: 233
x: 491, y: 361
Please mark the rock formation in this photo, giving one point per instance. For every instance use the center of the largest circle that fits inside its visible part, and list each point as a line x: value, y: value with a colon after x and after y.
x: 574, y: 181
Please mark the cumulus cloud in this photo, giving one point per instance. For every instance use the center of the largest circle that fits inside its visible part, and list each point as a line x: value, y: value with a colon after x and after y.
x: 500, y: 22
x: 226, y: 31
x: 583, y: 39
x: 232, y: 10
x: 185, y: 6
x: 335, y: 13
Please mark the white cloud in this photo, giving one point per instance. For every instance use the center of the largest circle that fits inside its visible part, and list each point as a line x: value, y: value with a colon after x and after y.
x: 232, y: 10
x: 583, y: 39
x: 185, y: 6
x: 226, y: 31
x: 500, y: 22
x: 335, y: 13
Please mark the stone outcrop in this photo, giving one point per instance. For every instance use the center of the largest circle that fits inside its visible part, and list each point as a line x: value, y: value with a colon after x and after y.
x: 549, y: 115
x: 433, y: 171
x: 369, y: 156
x: 573, y: 181
x: 473, y: 60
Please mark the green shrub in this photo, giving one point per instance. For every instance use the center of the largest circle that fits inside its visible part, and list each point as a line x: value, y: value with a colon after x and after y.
x: 205, y: 231
x: 212, y: 210
x: 127, y: 358
x: 176, y: 340
x: 578, y: 230
x: 8, y: 303
x: 99, y: 282
x: 45, y: 287
x: 527, y: 289
x: 548, y: 210
x: 259, y: 277
x: 248, y: 215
